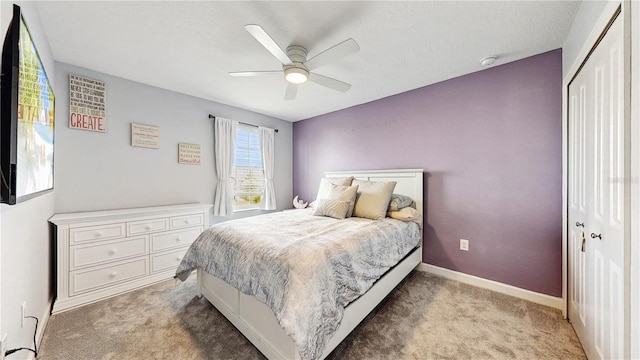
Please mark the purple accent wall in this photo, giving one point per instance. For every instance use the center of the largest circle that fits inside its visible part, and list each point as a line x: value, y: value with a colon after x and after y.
x: 490, y: 144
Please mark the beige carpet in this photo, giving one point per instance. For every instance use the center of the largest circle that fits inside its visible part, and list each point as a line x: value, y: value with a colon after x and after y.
x: 426, y: 317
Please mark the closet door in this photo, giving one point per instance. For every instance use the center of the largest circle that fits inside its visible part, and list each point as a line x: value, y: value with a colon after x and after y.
x: 596, y: 199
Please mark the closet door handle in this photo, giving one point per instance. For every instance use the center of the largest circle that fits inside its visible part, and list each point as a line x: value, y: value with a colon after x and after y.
x: 594, y: 235
x: 583, y: 243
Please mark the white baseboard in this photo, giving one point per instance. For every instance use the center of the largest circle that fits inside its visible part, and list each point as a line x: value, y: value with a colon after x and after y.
x: 547, y: 300
x: 42, y: 325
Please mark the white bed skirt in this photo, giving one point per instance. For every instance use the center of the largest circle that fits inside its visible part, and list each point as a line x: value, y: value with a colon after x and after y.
x: 258, y: 323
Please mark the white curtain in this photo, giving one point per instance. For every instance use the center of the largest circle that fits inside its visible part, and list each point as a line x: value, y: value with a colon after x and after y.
x: 225, y: 142
x: 267, y: 148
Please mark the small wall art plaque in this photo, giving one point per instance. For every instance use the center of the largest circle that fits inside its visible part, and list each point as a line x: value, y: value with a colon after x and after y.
x: 189, y: 154
x: 147, y: 136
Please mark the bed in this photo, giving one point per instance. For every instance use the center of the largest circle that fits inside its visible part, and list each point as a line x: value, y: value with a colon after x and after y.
x: 268, y: 317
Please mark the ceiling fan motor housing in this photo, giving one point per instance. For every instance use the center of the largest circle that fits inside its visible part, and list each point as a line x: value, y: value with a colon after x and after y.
x: 297, y: 54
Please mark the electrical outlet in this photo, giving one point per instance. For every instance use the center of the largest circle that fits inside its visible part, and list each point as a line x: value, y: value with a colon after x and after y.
x: 23, y: 313
x: 3, y: 346
x: 464, y: 244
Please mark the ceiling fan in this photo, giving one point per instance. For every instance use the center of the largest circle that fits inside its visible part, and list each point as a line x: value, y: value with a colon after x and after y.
x: 295, y: 66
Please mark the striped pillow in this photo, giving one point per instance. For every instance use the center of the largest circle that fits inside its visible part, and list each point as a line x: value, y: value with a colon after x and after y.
x: 343, y: 193
x: 332, y: 208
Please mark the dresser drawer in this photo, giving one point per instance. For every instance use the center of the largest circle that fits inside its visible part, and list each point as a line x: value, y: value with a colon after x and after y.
x: 174, y: 239
x: 95, y: 254
x: 85, y: 280
x: 178, y: 222
x: 167, y: 261
x: 93, y: 233
x: 147, y: 226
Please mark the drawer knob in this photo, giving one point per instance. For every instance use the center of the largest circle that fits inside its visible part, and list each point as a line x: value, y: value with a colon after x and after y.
x: 186, y: 221
x: 99, y: 234
x: 178, y: 239
x: 113, y: 274
x: 113, y: 251
x: 178, y: 259
x: 148, y: 227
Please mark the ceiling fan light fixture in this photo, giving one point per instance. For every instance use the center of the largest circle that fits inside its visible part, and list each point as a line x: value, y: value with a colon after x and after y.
x: 295, y: 64
x: 296, y: 75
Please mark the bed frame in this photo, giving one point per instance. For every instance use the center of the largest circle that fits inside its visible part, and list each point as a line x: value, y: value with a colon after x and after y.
x: 258, y: 323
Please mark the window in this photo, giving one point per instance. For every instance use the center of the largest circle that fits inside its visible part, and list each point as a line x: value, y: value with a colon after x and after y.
x: 248, y: 173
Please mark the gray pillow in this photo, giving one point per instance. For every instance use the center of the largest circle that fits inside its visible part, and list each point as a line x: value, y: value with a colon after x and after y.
x: 399, y: 202
x: 372, y: 199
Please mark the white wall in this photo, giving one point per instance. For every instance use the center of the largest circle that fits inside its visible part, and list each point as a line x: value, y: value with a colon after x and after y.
x: 25, y: 257
x: 27, y: 265
x: 96, y: 171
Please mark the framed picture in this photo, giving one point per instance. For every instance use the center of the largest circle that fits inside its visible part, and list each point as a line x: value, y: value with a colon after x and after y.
x: 147, y: 136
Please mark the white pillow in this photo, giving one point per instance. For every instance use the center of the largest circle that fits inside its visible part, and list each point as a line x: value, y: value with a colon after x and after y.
x: 372, y: 199
x: 407, y: 214
x: 325, y: 185
x: 343, y: 193
x: 333, y: 208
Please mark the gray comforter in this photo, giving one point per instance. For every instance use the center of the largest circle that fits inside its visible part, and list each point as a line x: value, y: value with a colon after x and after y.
x: 305, y: 268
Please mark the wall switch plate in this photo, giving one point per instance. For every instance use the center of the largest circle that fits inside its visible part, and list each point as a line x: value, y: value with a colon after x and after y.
x: 3, y: 346
x: 464, y: 244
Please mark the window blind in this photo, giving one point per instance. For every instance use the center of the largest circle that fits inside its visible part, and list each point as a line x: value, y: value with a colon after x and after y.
x: 248, y: 172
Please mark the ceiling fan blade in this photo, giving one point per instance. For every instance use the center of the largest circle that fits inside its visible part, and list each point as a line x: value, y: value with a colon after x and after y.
x: 255, y: 73
x: 331, y: 83
x: 263, y: 38
x: 339, y: 51
x: 291, y: 92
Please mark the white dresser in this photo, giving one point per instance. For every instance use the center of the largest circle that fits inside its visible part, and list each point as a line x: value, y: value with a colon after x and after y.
x: 105, y: 253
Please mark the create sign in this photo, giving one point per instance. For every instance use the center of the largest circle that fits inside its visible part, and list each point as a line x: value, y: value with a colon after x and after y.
x: 87, y: 122
x: 87, y: 104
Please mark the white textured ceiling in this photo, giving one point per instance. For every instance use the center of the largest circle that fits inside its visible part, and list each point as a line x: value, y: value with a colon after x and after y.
x: 190, y: 47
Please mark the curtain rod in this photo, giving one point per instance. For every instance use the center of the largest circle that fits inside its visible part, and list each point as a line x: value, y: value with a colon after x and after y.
x: 213, y: 117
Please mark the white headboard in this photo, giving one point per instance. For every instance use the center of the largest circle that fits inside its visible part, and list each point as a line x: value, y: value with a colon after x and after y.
x: 409, y: 182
